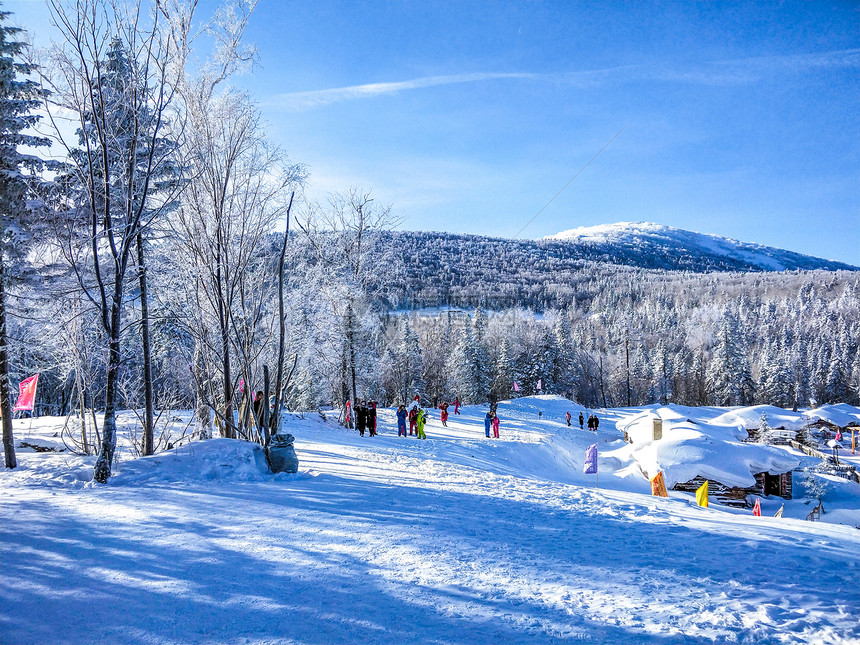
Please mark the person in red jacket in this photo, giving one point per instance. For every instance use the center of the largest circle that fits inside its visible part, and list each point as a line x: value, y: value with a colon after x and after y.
x: 495, y: 423
x: 413, y: 419
x: 457, y: 405
x: 444, y: 415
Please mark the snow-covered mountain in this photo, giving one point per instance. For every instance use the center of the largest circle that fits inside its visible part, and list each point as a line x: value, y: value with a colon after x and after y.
x: 676, y: 246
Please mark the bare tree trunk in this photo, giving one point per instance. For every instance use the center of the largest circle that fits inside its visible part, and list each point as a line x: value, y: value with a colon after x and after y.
x: 224, y: 324
x: 280, y: 386
x: 104, y: 463
x: 264, y: 421
x: 5, y: 402
x: 149, y: 412
x: 350, y: 343
x: 202, y: 411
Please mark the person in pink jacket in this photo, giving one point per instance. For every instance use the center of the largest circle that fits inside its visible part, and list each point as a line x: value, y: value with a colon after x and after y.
x: 495, y: 424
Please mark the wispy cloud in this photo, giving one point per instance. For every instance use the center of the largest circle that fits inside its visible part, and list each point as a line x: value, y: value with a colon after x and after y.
x: 299, y: 101
x: 743, y: 71
x: 739, y: 71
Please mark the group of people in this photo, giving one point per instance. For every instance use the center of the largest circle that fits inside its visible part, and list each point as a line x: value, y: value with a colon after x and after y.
x: 593, y: 421
x: 417, y: 418
x: 491, y: 421
x: 365, y: 417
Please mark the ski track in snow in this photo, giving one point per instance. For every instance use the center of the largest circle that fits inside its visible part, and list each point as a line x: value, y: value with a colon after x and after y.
x: 456, y: 539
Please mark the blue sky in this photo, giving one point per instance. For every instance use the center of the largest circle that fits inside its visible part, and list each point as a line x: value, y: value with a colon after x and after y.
x: 739, y: 118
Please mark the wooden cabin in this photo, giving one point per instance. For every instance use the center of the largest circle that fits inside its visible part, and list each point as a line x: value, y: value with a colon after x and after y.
x: 765, y: 485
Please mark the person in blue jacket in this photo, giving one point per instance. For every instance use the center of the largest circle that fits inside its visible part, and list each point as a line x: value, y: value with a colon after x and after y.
x: 487, y: 421
x: 401, y: 420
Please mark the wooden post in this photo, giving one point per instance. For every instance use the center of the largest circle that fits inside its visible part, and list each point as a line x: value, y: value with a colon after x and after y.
x: 265, y: 420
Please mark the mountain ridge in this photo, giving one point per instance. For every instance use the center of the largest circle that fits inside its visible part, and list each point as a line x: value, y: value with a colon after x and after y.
x: 670, y: 242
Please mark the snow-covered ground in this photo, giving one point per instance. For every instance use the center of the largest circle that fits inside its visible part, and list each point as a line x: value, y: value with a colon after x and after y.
x: 456, y: 539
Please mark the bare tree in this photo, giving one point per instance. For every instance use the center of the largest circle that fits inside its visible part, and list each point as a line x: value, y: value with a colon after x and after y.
x: 344, y: 240
x: 240, y: 188
x: 112, y: 72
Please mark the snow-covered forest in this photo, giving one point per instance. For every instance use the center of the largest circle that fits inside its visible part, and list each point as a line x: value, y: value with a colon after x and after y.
x: 150, y: 269
x: 200, y: 331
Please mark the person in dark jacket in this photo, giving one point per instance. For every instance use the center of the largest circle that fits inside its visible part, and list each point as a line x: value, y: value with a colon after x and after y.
x: 567, y: 416
x: 580, y: 421
x: 259, y: 408
x: 371, y: 417
x: 360, y: 417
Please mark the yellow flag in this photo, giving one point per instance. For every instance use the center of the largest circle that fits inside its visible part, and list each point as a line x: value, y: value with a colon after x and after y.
x: 658, y: 485
x: 702, y: 495
x: 779, y: 512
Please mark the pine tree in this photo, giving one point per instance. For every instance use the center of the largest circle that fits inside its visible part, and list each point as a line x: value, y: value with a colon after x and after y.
x: 480, y: 355
x: 18, y: 174
x: 729, y: 376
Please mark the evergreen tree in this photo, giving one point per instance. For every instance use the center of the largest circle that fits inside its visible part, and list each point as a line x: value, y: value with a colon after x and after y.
x: 480, y: 355
x: 18, y: 173
x: 729, y: 377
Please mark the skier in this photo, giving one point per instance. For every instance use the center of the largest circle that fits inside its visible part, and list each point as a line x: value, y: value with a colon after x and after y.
x: 444, y: 408
x: 590, y: 422
x: 488, y: 420
x: 422, y: 417
x: 457, y: 405
x: 371, y: 418
x: 567, y: 416
x: 495, y: 426
x: 401, y: 420
x: 596, y: 422
x: 580, y: 421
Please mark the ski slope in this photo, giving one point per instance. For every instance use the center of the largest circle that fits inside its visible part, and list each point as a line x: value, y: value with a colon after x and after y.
x: 456, y: 539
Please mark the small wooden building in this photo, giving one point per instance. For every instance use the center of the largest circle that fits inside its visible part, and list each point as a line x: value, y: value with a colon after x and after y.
x: 765, y: 485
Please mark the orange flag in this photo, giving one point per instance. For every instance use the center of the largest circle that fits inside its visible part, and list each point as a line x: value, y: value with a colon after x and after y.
x: 658, y: 485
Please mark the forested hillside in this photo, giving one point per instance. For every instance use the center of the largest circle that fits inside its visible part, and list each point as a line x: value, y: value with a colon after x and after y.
x: 462, y: 321
x: 443, y: 269
x: 146, y: 270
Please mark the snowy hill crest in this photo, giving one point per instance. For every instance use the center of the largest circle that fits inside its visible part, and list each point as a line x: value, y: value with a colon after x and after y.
x: 667, y: 241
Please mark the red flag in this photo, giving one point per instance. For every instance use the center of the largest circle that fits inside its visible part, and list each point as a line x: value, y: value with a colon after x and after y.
x: 347, y: 412
x: 757, y: 508
x: 27, y: 397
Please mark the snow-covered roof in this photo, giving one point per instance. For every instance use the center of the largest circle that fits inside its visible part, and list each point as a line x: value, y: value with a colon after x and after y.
x: 840, y: 414
x: 750, y: 418
x: 691, y: 448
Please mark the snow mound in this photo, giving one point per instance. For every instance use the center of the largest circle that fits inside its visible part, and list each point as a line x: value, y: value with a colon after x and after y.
x: 840, y: 414
x: 210, y: 460
x: 691, y: 448
x: 750, y: 418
